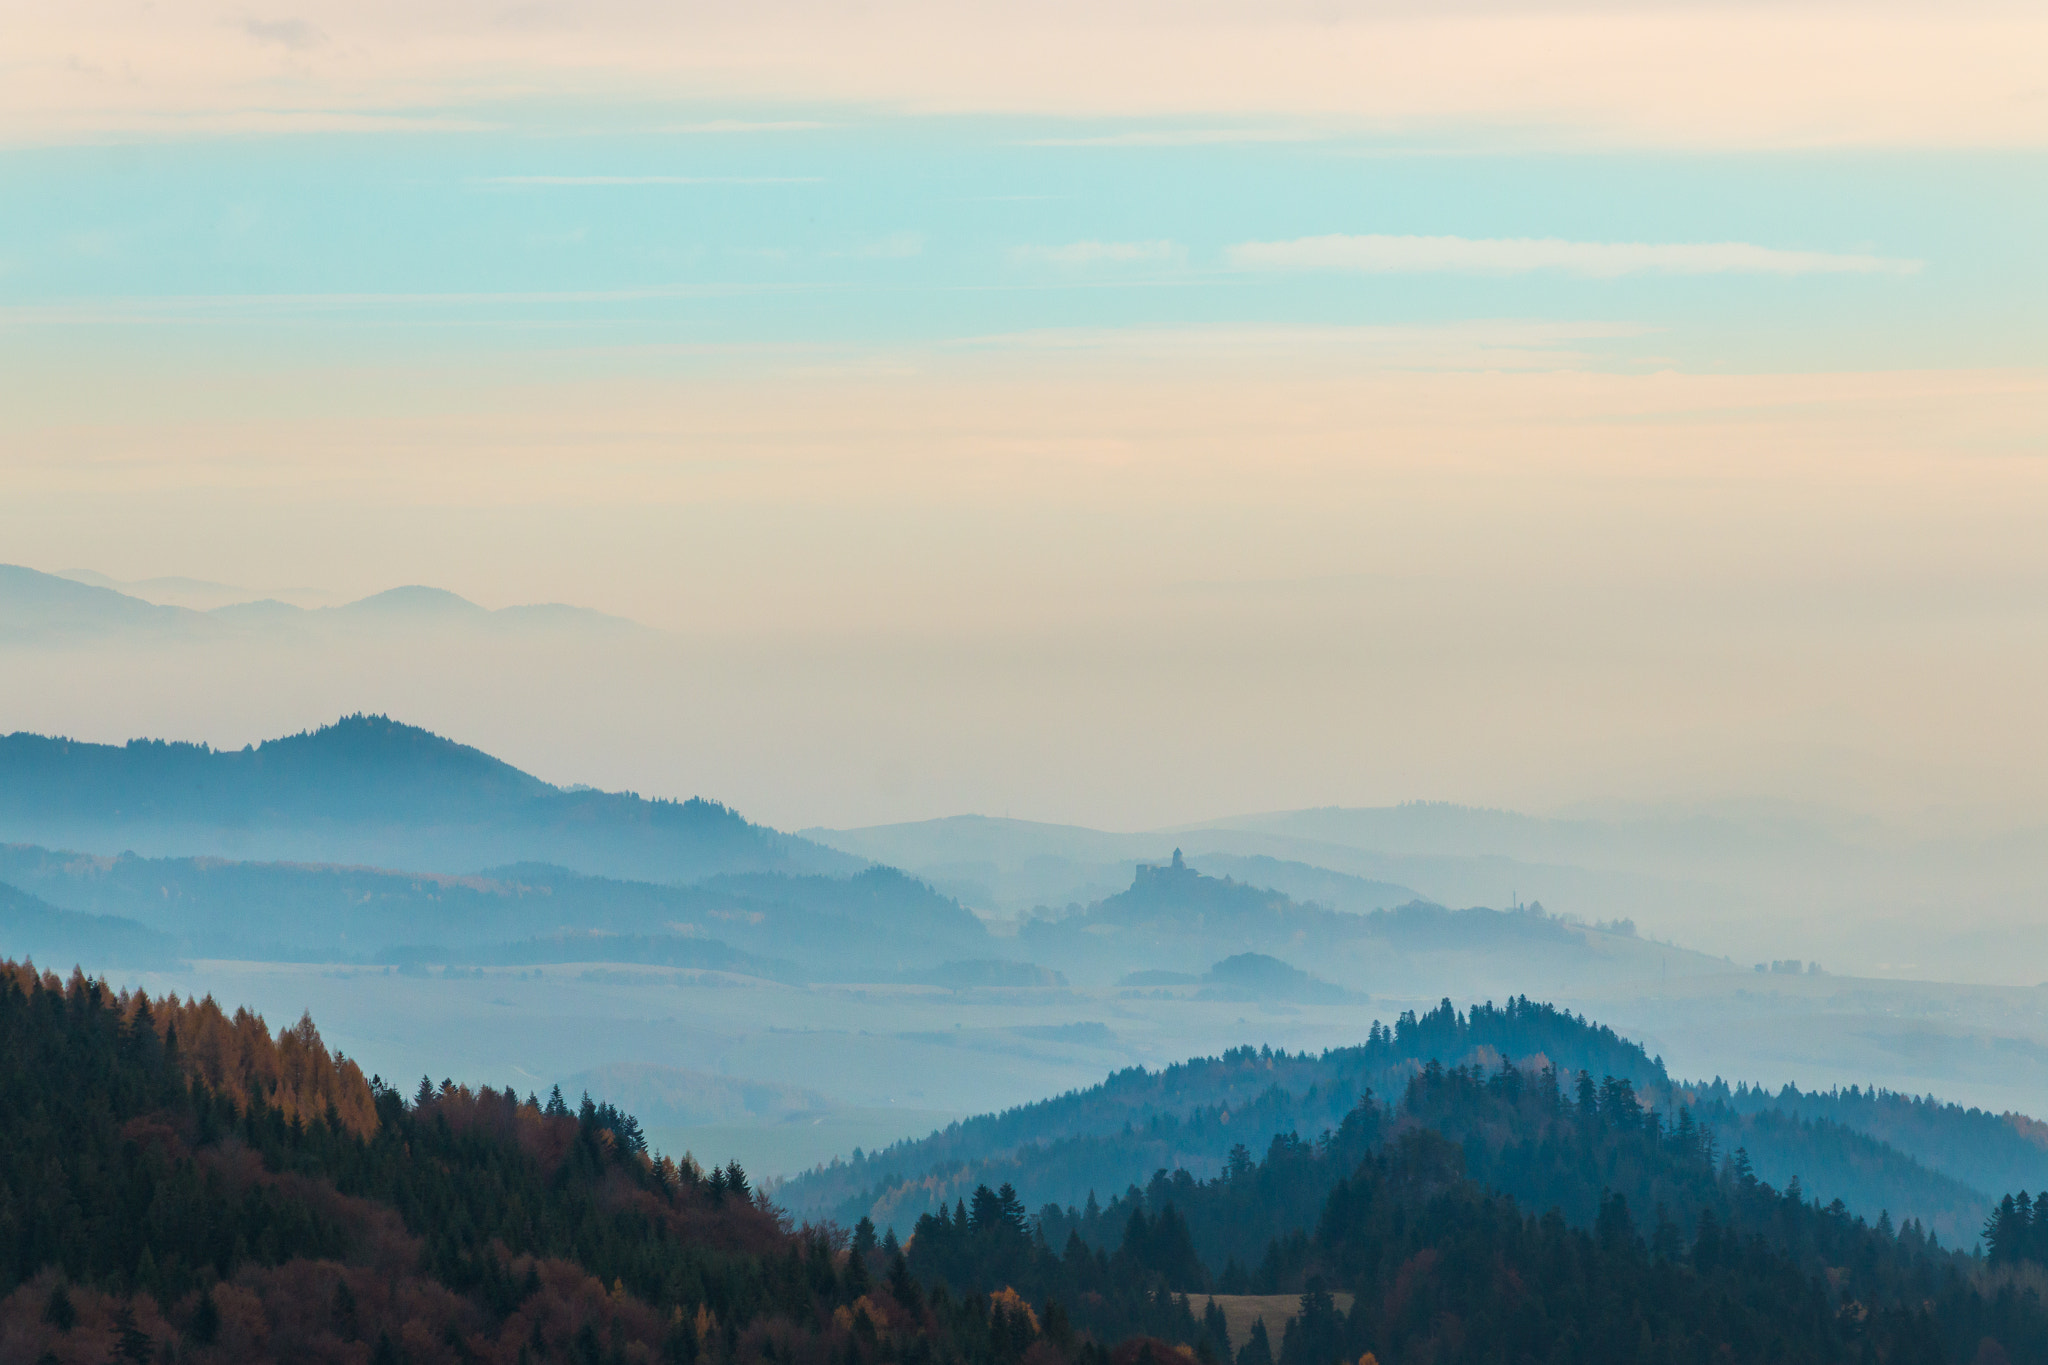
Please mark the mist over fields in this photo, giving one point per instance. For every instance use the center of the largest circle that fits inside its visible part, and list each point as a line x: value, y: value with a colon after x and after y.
x: 578, y: 698
x: 794, y: 998
x: 789, y: 997
x: 1024, y: 683
x: 882, y: 1022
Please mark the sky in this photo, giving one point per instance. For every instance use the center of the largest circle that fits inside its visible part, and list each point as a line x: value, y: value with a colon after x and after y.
x: 1119, y: 413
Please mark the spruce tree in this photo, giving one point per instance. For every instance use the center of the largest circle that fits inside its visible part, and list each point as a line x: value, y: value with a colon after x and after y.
x: 1258, y: 1347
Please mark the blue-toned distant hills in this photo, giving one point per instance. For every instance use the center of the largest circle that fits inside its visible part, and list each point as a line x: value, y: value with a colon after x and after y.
x: 41, y: 609
x: 875, y: 923
x: 1130, y: 1139
x: 57, y: 939
x: 371, y: 791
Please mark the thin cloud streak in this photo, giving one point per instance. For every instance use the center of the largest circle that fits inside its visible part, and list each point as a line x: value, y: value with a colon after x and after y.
x: 1812, y: 73
x: 1382, y: 254
x: 586, y: 180
x: 1170, y: 137
x: 734, y: 125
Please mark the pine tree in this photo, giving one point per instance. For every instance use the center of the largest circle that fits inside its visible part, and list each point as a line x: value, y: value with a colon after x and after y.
x: 986, y: 1214
x: 130, y: 1341
x: 1258, y: 1347
x: 1010, y: 1210
x: 1216, y: 1328
x: 901, y: 1286
x: 205, y: 1320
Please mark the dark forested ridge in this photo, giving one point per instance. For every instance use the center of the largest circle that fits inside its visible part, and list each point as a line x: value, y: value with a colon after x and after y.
x: 1189, y: 1117
x: 1192, y: 1113
x: 179, y: 1184
x: 371, y: 791
x: 1656, y: 1244
x: 1984, y: 1150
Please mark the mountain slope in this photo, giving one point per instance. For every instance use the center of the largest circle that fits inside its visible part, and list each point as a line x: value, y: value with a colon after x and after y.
x: 878, y: 922
x: 1981, y: 1149
x: 40, y: 608
x: 1411, y: 1234
x: 34, y: 929
x: 1174, y: 918
x: 369, y: 790
x: 179, y: 1185
x: 1192, y: 1113
x: 1190, y: 1117
x: 78, y: 607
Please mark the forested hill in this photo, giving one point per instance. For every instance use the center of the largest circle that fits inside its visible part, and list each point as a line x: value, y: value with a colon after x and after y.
x: 31, y: 927
x: 1982, y: 1149
x: 180, y: 1184
x: 867, y: 926
x: 1189, y: 1118
x: 1405, y: 1239
x: 1174, y: 918
x: 372, y: 791
x: 1192, y: 1113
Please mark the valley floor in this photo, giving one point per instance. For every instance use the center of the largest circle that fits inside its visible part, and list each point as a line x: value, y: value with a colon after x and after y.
x: 859, y: 1066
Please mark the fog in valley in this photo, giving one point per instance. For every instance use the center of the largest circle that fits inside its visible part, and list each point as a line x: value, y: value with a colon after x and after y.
x: 1124, y: 683
x: 787, y: 997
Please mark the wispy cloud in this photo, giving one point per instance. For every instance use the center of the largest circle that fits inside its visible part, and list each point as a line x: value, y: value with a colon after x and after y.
x: 295, y: 34
x: 1174, y: 137
x: 582, y: 180
x: 1536, y: 72
x: 1500, y: 344
x: 1102, y: 253
x: 1377, y: 254
x: 735, y: 125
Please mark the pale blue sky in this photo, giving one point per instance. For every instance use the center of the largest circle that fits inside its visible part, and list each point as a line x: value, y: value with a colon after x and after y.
x: 873, y: 229
x: 1508, y: 401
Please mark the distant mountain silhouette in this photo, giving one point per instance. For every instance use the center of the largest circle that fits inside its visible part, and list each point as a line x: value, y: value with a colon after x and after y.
x: 369, y: 790
x: 592, y: 946
x: 78, y: 607
x: 413, y: 601
x: 200, y: 594
x: 58, y: 940
x: 668, y: 1095
x: 1174, y: 920
x: 43, y: 608
x: 1256, y: 976
x: 876, y: 925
